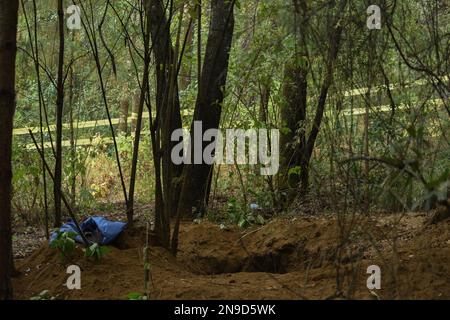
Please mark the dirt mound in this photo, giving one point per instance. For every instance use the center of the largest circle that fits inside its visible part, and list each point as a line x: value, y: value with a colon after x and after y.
x: 285, y: 259
x: 119, y: 273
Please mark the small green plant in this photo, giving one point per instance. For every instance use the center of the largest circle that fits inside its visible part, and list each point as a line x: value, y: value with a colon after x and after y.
x: 137, y: 296
x: 242, y: 216
x: 236, y: 213
x: 65, y: 243
x: 96, y: 252
x: 44, y: 295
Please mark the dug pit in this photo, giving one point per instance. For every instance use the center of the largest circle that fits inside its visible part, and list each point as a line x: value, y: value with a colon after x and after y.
x: 274, y: 248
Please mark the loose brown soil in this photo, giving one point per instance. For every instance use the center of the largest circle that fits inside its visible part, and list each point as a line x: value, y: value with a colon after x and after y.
x: 289, y: 258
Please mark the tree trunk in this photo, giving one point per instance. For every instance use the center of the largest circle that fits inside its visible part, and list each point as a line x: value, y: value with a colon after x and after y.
x: 135, y: 111
x: 293, y: 115
x: 139, y: 104
x: 186, y: 69
x: 334, y: 44
x: 366, y: 144
x: 296, y: 147
x: 264, y: 103
x: 123, y: 118
x: 73, y: 142
x: 208, y: 107
x: 293, y: 111
x: 168, y: 115
x: 8, y: 48
x: 59, y: 115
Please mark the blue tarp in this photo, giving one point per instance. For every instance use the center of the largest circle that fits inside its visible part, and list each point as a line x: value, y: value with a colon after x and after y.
x: 97, y: 229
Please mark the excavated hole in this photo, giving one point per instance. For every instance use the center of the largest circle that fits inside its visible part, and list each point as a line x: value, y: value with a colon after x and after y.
x: 279, y: 261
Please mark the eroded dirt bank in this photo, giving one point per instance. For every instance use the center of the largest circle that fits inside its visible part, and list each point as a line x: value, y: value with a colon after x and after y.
x: 291, y: 258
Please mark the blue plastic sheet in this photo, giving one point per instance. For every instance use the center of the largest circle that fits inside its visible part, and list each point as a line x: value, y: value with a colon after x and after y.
x: 97, y: 229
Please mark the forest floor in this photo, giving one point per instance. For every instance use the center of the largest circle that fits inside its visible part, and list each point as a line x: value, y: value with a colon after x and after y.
x: 294, y: 257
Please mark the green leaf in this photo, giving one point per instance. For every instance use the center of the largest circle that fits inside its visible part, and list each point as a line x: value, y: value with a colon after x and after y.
x: 242, y: 222
x: 134, y: 296
x: 441, y: 179
x: 294, y: 171
x: 104, y: 250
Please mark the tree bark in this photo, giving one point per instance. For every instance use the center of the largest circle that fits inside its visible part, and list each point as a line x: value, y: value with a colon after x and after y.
x: 168, y: 117
x: 186, y: 70
x: 135, y: 111
x: 123, y: 119
x: 139, y: 104
x: 59, y: 115
x: 293, y: 111
x: 169, y: 107
x: 334, y: 40
x: 208, y: 107
x: 8, y: 49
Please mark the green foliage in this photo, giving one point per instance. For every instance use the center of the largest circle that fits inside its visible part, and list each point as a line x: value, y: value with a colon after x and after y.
x: 44, y: 295
x: 136, y: 296
x: 96, y: 252
x: 64, y: 243
x: 27, y: 182
x: 264, y: 45
x: 236, y: 214
x: 125, y: 145
x: 242, y: 216
x: 294, y: 171
x: 424, y: 185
